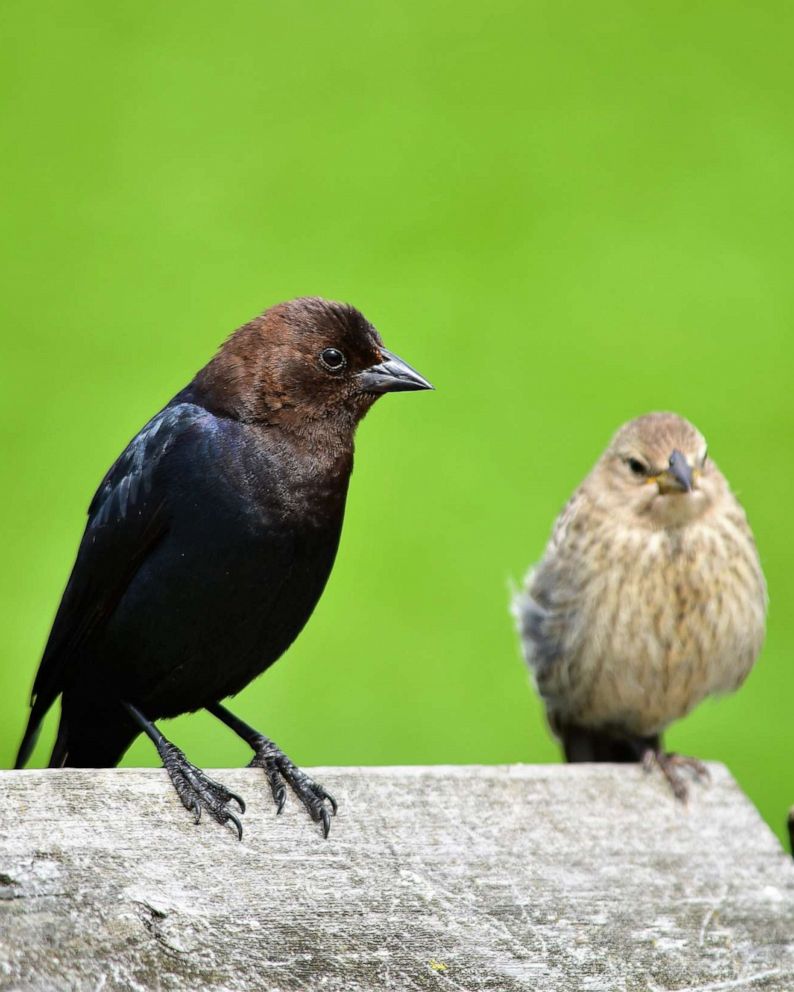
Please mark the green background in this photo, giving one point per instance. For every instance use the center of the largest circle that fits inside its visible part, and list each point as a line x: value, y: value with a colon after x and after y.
x: 564, y: 214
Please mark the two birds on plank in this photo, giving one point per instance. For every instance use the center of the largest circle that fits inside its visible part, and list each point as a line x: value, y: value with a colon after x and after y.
x: 211, y: 538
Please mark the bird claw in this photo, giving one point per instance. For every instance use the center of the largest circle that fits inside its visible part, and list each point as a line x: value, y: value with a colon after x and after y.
x: 265, y: 757
x: 671, y: 765
x: 278, y: 768
x: 197, y: 791
x: 694, y: 766
x: 235, y: 820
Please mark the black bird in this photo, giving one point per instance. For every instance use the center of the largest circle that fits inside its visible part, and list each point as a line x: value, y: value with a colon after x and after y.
x: 208, y: 545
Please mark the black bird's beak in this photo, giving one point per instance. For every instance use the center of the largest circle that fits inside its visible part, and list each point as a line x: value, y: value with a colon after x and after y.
x: 678, y: 477
x: 392, y: 375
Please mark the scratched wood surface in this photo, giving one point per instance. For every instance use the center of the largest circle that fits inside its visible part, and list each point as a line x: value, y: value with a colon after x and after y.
x: 567, y: 879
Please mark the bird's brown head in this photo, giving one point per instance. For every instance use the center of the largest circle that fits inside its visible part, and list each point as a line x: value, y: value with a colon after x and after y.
x: 304, y: 361
x: 657, y: 470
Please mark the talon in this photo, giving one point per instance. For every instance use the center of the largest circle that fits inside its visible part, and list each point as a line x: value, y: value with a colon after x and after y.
x: 281, y: 772
x: 196, y: 811
x: 238, y: 799
x: 671, y: 765
x: 236, y: 822
x: 695, y: 767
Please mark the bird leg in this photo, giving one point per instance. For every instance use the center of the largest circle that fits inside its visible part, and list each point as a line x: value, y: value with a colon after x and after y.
x: 195, y: 789
x: 278, y: 768
x: 672, y: 767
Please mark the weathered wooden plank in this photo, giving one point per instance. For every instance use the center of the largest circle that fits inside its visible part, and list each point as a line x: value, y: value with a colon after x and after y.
x: 586, y: 878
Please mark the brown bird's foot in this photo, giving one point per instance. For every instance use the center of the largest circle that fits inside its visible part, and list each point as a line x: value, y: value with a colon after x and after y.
x: 319, y: 803
x: 196, y: 790
x: 278, y: 767
x: 674, y: 767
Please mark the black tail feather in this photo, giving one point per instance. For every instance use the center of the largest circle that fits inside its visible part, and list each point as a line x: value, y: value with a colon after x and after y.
x: 31, y: 734
x: 590, y: 744
x: 90, y: 735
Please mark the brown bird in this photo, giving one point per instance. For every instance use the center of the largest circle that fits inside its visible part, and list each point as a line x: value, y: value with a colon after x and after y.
x: 649, y: 597
x: 208, y: 545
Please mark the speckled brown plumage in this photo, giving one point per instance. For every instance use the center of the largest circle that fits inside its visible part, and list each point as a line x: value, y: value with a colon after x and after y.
x: 649, y: 597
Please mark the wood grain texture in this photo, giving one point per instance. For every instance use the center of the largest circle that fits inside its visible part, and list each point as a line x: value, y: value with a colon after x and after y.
x: 560, y: 878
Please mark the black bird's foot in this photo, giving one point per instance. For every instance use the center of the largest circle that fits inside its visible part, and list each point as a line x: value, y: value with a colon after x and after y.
x: 278, y: 768
x: 197, y: 791
x: 673, y: 767
x: 320, y: 804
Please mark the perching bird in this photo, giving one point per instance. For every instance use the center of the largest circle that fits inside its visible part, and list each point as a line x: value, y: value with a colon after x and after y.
x: 208, y: 545
x: 649, y: 597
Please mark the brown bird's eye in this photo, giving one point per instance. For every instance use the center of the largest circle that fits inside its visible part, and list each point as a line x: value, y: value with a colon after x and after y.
x: 332, y: 359
x: 636, y: 466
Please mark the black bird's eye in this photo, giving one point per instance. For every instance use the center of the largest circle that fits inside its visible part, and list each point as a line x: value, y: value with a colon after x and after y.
x: 332, y: 359
x: 636, y: 466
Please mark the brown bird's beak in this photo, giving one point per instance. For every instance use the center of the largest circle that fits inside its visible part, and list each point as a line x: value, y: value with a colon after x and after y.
x: 678, y: 477
x: 392, y: 375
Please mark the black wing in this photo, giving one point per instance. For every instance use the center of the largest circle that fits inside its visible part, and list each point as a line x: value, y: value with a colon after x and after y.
x: 127, y: 518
